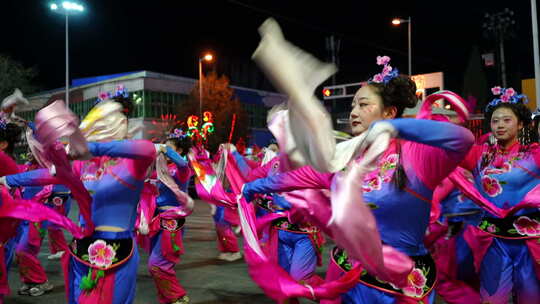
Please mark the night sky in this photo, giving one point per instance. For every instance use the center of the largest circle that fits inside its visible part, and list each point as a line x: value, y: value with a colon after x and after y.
x: 168, y: 36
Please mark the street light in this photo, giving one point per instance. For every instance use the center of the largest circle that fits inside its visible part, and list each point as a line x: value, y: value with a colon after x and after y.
x: 207, y: 57
x: 67, y: 8
x: 398, y: 21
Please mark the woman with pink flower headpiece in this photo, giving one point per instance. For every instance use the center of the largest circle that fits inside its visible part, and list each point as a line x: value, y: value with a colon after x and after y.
x: 506, y: 174
x: 397, y: 181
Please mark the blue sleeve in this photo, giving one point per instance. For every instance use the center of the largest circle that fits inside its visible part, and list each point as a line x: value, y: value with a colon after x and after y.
x: 175, y: 158
x: 432, y: 148
x: 249, y: 173
x: 133, y: 149
x: 39, y: 177
x: 301, y: 178
x: 241, y: 164
x: 444, y: 135
x: 281, y: 202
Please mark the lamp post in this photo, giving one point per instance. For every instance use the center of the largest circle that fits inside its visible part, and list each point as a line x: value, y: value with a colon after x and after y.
x: 499, y: 25
x: 207, y: 57
x: 67, y: 8
x: 398, y: 21
x: 536, y: 52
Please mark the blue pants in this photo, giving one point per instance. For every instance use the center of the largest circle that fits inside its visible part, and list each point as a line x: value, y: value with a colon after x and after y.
x: 464, y: 260
x: 508, y: 268
x: 11, y: 245
x: 297, y: 254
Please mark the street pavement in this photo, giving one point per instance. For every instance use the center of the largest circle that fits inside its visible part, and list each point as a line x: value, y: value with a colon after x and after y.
x: 206, y: 279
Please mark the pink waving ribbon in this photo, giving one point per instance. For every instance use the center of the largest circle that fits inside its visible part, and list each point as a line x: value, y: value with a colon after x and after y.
x: 52, y: 123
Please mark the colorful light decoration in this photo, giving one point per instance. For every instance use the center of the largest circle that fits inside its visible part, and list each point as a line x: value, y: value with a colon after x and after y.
x: 232, y: 127
x: 206, y: 128
x: 208, y: 125
x: 193, y: 123
x: 163, y: 127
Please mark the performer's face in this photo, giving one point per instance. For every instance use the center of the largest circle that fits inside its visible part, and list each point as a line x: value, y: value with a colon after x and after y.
x: 505, y: 125
x: 367, y: 107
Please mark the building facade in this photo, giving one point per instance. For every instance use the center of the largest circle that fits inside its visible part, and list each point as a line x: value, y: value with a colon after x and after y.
x: 154, y: 94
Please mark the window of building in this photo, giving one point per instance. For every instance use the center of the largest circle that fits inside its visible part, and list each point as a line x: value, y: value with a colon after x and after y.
x: 156, y: 104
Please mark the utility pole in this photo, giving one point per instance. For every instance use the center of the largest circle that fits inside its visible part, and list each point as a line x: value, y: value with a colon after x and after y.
x: 536, y: 55
x: 332, y: 47
x: 499, y: 26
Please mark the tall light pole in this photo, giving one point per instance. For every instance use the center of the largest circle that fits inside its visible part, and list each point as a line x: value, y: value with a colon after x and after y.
x: 536, y: 52
x: 207, y: 57
x: 499, y: 25
x: 67, y: 8
x: 398, y: 21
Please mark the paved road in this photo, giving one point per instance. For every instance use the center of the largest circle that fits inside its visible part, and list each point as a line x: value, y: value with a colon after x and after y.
x: 206, y: 279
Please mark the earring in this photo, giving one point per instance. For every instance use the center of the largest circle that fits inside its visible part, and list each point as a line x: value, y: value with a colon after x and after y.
x: 492, y: 140
x: 524, y: 136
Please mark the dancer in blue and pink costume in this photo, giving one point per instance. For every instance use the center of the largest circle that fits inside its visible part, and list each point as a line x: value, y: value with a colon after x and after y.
x: 9, y: 134
x: 457, y: 278
x: 399, y: 190
x: 299, y: 244
x: 102, y: 268
x: 224, y: 215
x: 166, y: 244
x: 457, y: 282
x: 506, y: 241
x: 60, y: 200
x: 32, y: 274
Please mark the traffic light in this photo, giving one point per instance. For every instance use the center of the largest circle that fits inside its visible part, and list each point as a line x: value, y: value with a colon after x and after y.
x: 333, y: 92
x: 326, y: 92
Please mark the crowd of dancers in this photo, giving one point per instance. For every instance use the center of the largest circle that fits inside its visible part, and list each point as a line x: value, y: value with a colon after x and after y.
x: 417, y: 207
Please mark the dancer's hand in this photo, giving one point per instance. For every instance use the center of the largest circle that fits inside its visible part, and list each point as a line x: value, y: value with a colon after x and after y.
x: 73, y: 154
x: 228, y: 147
x: 374, y: 131
x: 160, y: 148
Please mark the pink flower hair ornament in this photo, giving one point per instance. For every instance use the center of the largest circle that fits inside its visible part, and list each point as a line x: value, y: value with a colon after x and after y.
x: 178, y: 133
x: 506, y: 95
x: 120, y: 91
x: 388, y: 73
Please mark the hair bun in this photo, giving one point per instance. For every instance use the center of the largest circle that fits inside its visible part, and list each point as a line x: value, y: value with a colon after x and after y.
x: 11, y: 133
x: 402, y: 91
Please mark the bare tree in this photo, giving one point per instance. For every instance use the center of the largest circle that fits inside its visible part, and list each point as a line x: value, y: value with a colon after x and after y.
x: 14, y: 75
